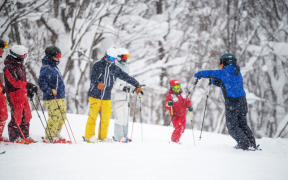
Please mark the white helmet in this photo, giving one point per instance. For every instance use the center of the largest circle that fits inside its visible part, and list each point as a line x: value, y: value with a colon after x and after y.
x: 19, y: 52
x: 123, y: 55
x: 111, y: 55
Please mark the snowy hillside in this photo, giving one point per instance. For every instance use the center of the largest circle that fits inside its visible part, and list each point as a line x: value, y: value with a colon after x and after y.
x: 153, y: 158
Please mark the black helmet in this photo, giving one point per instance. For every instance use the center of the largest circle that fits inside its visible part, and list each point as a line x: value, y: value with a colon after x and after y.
x: 51, y: 52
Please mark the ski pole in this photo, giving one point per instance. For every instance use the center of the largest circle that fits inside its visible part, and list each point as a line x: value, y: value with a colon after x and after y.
x: 205, y: 107
x: 44, y: 116
x: 16, y: 122
x: 64, y: 120
x: 192, y: 127
x: 141, y: 115
x: 99, y: 137
x: 50, y: 137
x: 134, y: 117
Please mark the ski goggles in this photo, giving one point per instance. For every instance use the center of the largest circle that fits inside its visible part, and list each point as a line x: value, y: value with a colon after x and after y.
x: 58, y: 55
x: 6, y: 45
x: 18, y: 56
x: 110, y: 58
x: 176, y: 86
x: 124, y: 56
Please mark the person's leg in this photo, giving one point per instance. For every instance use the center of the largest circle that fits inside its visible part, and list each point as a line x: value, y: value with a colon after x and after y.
x: 3, y: 113
x: 95, y: 105
x: 118, y: 108
x: 242, y: 117
x: 232, y: 124
x: 26, y: 117
x: 105, y: 119
x: 126, y: 115
x: 62, y: 105
x: 177, y: 129
x: 13, y: 129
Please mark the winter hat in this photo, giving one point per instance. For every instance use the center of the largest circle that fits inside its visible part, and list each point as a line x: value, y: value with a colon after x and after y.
x: 3, y: 44
x: 52, y: 51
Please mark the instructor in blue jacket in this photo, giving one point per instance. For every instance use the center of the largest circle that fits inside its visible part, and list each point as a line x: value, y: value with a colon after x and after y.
x: 230, y: 80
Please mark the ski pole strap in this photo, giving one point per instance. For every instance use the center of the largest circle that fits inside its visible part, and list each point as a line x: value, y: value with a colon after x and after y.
x: 171, y: 110
x: 191, y: 116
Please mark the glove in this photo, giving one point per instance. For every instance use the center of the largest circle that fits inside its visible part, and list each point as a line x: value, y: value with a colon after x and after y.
x: 31, y: 90
x: 170, y: 103
x: 138, y: 89
x: 126, y: 89
x: 190, y: 108
x: 4, y: 90
x: 101, y: 86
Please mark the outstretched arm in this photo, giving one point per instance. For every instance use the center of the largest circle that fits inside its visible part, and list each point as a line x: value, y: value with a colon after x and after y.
x: 125, y: 77
x: 209, y: 74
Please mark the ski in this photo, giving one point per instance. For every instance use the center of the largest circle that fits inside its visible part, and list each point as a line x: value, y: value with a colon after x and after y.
x: 3, y: 152
x: 87, y: 141
x: 250, y: 148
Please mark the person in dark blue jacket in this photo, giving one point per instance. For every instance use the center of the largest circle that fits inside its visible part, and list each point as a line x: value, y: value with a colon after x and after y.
x: 51, y: 83
x: 103, y: 76
x: 230, y: 80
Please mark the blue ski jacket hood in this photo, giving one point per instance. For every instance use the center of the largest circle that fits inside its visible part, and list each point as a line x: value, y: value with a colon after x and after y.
x: 107, y: 73
x: 230, y: 83
x: 51, y: 78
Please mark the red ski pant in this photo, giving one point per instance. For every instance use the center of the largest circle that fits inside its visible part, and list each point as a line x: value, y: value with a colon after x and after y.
x: 179, y: 124
x: 3, y: 113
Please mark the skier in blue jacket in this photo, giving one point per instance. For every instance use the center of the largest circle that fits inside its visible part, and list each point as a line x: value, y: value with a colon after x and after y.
x: 230, y: 80
x: 52, y: 84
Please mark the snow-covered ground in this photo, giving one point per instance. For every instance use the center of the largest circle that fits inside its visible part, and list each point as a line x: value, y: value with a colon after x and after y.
x: 153, y: 158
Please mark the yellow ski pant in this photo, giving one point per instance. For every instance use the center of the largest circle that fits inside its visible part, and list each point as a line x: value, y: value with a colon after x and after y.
x: 95, y: 107
x: 55, y: 121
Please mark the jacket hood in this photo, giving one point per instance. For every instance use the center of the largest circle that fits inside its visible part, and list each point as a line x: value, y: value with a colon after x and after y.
x: 47, y: 61
x: 11, y: 60
x: 232, y: 70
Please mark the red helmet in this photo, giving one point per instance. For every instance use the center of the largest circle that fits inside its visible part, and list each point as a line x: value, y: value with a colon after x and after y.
x: 174, y: 82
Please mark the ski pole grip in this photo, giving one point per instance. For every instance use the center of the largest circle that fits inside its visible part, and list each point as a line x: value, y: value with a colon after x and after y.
x: 196, y: 81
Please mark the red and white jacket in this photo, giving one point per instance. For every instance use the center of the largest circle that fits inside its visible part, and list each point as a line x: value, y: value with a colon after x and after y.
x: 178, y: 99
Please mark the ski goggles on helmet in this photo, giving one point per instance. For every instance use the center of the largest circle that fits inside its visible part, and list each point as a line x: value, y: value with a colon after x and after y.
x: 176, y: 86
x: 19, y: 56
x: 124, y: 56
x: 58, y: 55
x: 5, y: 45
x: 110, y: 58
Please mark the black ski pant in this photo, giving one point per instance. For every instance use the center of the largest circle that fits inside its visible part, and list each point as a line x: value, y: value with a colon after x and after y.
x: 238, y: 128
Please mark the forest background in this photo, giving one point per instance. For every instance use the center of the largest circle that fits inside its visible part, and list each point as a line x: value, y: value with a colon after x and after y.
x: 166, y: 39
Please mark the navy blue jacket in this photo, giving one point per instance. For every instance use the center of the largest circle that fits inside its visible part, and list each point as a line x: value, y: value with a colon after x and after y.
x: 107, y: 73
x: 231, y: 84
x: 51, y: 78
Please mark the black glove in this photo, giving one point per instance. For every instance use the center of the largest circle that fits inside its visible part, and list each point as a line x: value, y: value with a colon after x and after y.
x: 31, y: 90
x: 190, y: 108
x: 126, y: 89
x: 4, y: 90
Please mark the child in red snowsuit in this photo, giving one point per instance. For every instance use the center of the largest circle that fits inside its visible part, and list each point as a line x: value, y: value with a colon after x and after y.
x: 177, y: 103
x: 3, y: 105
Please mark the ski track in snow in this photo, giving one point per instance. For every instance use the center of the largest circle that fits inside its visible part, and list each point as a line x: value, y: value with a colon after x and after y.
x: 153, y: 158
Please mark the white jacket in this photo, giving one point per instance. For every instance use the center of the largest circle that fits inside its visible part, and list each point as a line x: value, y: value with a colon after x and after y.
x: 117, y: 93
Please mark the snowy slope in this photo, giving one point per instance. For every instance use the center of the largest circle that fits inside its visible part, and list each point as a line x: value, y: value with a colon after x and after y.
x: 153, y: 158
